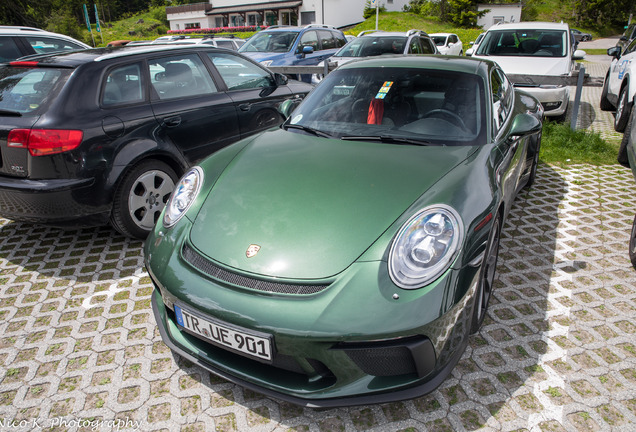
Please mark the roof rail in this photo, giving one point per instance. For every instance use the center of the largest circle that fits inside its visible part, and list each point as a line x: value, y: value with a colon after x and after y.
x: 416, y: 31
x: 320, y: 26
x: 277, y: 26
x: 21, y: 28
x: 363, y: 32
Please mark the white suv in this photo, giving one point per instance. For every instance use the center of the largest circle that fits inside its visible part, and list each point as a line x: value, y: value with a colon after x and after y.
x: 619, y: 91
x: 17, y: 42
x: 534, y: 48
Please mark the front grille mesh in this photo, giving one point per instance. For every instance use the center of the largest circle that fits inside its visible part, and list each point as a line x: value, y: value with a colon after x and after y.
x: 387, y: 361
x: 207, y: 267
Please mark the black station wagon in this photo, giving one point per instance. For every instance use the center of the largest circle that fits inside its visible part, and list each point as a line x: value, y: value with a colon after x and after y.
x: 102, y: 135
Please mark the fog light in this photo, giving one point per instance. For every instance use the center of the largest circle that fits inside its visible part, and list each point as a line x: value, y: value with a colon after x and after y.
x: 550, y: 106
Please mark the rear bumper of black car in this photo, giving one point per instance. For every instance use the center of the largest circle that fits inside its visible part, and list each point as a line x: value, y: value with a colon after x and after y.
x: 57, y: 202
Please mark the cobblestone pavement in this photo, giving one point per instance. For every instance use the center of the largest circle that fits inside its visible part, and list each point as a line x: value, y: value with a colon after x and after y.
x: 79, y: 347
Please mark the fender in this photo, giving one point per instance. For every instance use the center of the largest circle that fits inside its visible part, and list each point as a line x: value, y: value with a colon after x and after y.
x: 130, y: 153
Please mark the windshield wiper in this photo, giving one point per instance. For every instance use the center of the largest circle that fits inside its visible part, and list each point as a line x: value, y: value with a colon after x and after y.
x: 10, y: 112
x: 386, y: 139
x: 312, y: 131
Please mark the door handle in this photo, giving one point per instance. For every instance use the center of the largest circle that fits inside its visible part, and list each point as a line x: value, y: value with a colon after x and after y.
x: 171, y: 121
x: 245, y: 106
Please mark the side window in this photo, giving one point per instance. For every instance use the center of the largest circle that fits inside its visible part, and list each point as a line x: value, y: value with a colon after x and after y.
x: 428, y: 47
x: 327, y: 40
x: 180, y: 76
x: 8, y: 49
x: 239, y: 73
x: 631, y: 47
x: 123, y: 86
x: 501, y: 98
x: 43, y: 45
x: 309, y: 38
x: 340, y: 40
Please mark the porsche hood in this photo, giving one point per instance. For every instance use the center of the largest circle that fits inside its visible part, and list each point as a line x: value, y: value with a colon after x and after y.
x: 301, y: 207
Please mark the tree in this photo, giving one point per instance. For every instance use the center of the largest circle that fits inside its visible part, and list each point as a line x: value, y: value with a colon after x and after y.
x: 464, y: 12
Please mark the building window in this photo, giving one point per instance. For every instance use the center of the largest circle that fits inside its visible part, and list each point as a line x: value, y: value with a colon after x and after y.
x: 251, y: 19
x: 498, y: 20
x: 192, y: 26
x: 307, y: 18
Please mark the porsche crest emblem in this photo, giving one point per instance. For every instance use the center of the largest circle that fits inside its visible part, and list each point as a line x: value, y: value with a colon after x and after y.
x: 252, y: 250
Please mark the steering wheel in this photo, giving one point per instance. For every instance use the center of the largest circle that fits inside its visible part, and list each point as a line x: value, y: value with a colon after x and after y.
x: 446, y: 115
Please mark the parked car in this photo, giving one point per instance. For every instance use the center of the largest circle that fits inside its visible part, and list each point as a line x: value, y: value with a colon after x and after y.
x: 619, y: 91
x: 629, y: 140
x: 345, y: 257
x: 294, y: 46
x: 448, y: 43
x: 103, y: 135
x: 580, y: 36
x: 474, y: 44
x: 229, y: 42
x: 372, y: 43
x: 627, y: 37
x: 535, y: 48
x: 16, y: 41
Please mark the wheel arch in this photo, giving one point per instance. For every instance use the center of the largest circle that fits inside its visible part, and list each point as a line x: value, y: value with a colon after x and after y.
x: 133, y: 153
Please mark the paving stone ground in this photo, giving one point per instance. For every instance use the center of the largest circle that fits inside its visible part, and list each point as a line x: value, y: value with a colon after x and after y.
x: 79, y: 349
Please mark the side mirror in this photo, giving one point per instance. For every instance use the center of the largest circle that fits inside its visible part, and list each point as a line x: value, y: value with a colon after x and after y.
x: 469, y: 52
x: 579, y: 55
x: 524, y: 124
x: 614, y: 51
x: 307, y: 50
x: 280, y: 79
x: 471, y: 43
x: 287, y: 107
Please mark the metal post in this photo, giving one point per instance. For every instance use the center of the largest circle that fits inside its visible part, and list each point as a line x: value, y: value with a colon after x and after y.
x: 577, y: 98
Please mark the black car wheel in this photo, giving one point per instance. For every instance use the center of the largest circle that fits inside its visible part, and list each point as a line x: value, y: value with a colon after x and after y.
x: 605, y: 103
x: 632, y: 244
x: 140, y: 198
x: 486, y: 277
x: 622, y: 111
x: 622, y: 150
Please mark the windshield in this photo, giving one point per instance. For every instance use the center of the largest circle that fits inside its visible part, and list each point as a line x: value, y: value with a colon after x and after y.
x: 439, y: 40
x: 23, y: 90
x: 280, y: 41
x: 524, y: 43
x: 373, y: 46
x: 390, y: 104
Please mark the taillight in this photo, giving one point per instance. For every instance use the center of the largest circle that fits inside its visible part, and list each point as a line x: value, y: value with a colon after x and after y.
x: 22, y: 63
x: 42, y: 142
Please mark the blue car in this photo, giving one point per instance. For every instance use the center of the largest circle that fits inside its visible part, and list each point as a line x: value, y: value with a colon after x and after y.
x: 294, y: 46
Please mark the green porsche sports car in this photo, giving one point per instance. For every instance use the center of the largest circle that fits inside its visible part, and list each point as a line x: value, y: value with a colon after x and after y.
x: 345, y: 257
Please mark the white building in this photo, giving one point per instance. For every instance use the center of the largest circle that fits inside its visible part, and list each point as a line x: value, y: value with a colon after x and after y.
x: 233, y: 13
x: 499, y: 13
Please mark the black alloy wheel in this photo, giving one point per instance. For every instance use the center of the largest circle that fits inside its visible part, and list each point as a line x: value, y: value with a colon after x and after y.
x: 622, y: 111
x: 486, y: 277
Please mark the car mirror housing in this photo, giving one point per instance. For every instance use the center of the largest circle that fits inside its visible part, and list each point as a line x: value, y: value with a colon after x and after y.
x: 524, y: 124
x: 287, y: 107
x: 614, y: 51
x: 469, y: 52
x: 307, y: 50
x: 280, y: 79
x: 579, y: 55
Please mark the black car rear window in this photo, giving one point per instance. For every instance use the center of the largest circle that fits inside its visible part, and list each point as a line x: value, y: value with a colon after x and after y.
x: 24, y: 90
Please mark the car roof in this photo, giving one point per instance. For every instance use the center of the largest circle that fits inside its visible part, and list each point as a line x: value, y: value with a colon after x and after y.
x: 441, y: 34
x: 538, y: 25
x: 382, y: 33
x: 454, y: 64
x: 76, y: 58
x: 32, y: 31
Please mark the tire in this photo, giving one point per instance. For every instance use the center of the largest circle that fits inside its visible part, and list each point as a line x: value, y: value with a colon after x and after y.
x: 632, y: 244
x: 533, y: 169
x: 605, y: 103
x: 486, y: 277
x: 622, y: 150
x: 140, y: 197
x: 622, y: 111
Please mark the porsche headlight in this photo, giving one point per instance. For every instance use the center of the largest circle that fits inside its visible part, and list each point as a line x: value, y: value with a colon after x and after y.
x: 425, y: 246
x: 183, y: 196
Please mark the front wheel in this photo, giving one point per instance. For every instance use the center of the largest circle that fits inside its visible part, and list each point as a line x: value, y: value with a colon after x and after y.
x: 622, y: 111
x: 605, y: 103
x: 622, y: 150
x: 140, y: 198
x: 486, y: 277
x: 632, y: 244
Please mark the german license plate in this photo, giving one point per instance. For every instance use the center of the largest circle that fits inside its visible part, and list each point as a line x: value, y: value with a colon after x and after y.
x: 226, y: 336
